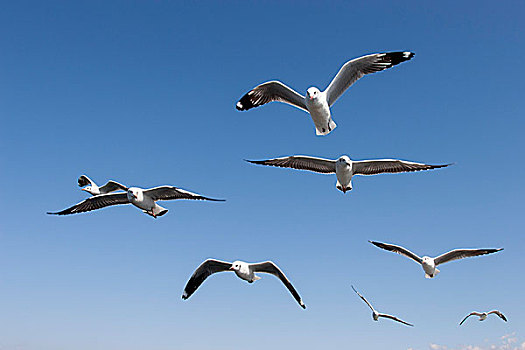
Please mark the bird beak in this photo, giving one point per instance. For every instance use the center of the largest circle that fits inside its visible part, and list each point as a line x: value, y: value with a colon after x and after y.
x: 83, y: 189
x: 231, y: 268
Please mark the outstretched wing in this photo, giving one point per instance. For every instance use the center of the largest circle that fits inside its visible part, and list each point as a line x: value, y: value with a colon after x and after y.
x: 269, y: 92
x: 164, y: 193
x: 395, y: 319
x: 270, y: 267
x: 362, y: 297
x: 318, y: 165
x: 471, y: 314
x: 358, y: 67
x: 462, y: 253
x: 380, y: 166
x: 398, y: 249
x: 497, y: 312
x: 206, y: 269
x: 95, y: 202
x: 111, y: 186
x: 83, y: 180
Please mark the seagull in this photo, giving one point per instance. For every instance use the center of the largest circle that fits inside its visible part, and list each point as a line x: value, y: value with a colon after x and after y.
x: 144, y: 199
x: 92, y: 187
x: 429, y: 264
x: 317, y: 102
x: 344, y: 168
x: 376, y: 315
x: 243, y: 270
x: 483, y: 315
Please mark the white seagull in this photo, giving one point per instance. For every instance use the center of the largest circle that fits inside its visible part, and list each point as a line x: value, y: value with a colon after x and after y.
x: 429, y: 264
x: 483, y: 315
x: 345, y: 168
x: 317, y: 102
x: 144, y: 199
x: 243, y: 270
x: 376, y: 315
x: 91, y: 186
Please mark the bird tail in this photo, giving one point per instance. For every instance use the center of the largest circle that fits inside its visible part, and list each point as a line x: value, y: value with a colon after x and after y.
x: 320, y: 131
x: 436, y: 271
x: 159, y: 211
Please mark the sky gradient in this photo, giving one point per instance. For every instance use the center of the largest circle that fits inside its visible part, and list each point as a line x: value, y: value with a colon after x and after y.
x: 144, y: 93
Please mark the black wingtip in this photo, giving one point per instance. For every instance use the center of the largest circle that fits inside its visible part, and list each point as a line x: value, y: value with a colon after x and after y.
x: 399, y: 56
x: 303, y: 306
x: 263, y: 162
x: 245, y: 103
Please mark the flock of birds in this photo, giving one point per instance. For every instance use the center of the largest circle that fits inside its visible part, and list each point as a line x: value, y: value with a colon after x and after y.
x: 317, y: 103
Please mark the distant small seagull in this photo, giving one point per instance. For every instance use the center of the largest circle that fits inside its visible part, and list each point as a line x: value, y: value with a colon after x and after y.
x: 317, y: 102
x: 483, y: 315
x: 242, y: 269
x: 344, y: 168
x: 429, y: 264
x: 91, y: 186
x: 144, y: 199
x: 376, y: 315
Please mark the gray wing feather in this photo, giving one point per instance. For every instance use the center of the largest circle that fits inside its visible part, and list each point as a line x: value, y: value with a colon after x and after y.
x: 170, y: 193
x: 111, y: 186
x: 318, y: 165
x: 462, y: 253
x: 206, y: 269
x: 395, y: 319
x: 95, y: 202
x: 362, y: 297
x: 83, y: 180
x: 497, y: 312
x: 270, y: 267
x: 269, y: 92
x: 471, y: 314
x: 380, y: 166
x: 355, y: 69
x: 398, y: 249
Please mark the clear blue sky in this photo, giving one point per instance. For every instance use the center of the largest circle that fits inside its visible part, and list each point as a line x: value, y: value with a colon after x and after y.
x: 144, y: 93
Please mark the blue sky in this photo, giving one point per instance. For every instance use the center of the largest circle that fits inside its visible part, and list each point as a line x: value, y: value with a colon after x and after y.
x: 144, y: 93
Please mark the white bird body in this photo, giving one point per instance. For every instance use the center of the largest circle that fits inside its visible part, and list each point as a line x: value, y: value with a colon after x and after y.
x: 317, y: 105
x: 243, y: 271
x: 343, y: 172
x: 429, y: 266
x: 137, y: 197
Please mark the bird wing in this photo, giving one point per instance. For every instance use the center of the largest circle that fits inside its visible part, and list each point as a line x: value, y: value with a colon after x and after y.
x: 474, y: 313
x: 395, y: 319
x: 497, y: 312
x: 163, y: 193
x: 462, y: 253
x: 206, y: 269
x: 362, y: 297
x: 95, y: 202
x: 111, y: 186
x: 318, y: 165
x: 270, y: 267
x: 397, y: 249
x: 83, y: 180
x: 269, y: 92
x: 380, y: 166
x: 354, y: 69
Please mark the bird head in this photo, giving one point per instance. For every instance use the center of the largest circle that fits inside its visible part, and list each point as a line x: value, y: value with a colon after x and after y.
x: 88, y: 189
x: 344, y: 160
x: 236, y: 266
x: 133, y: 193
x: 312, y: 93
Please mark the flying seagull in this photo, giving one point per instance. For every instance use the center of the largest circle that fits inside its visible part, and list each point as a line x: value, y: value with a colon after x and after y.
x: 317, y: 102
x: 243, y: 270
x: 344, y: 168
x: 483, y: 315
x: 144, y: 199
x: 429, y: 264
x: 91, y: 186
x: 376, y: 315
